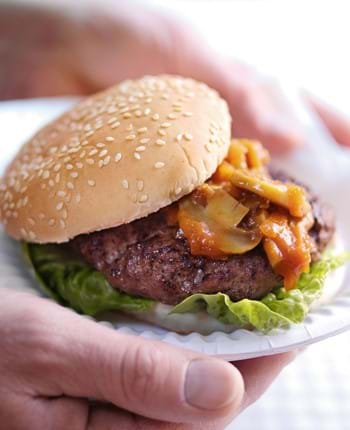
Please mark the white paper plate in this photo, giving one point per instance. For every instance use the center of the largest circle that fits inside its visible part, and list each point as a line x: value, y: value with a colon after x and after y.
x: 321, y: 164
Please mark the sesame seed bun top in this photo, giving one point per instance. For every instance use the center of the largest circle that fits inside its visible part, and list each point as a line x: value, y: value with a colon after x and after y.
x: 117, y: 156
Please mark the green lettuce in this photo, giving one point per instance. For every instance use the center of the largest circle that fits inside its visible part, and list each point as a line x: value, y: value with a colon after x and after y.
x: 277, y: 309
x: 71, y: 282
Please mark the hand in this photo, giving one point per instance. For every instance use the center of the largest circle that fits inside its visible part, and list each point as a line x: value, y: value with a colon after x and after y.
x: 62, y: 53
x: 53, y: 362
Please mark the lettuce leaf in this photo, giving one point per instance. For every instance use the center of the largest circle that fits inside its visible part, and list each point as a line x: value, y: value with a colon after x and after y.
x: 71, y: 282
x: 277, y: 309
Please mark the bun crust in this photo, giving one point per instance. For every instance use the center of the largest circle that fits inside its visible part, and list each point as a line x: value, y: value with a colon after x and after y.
x: 117, y: 156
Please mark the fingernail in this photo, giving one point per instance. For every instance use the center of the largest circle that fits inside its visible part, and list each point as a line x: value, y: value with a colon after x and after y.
x: 212, y: 384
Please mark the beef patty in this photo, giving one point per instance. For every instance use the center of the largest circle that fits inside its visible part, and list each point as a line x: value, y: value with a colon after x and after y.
x: 149, y: 258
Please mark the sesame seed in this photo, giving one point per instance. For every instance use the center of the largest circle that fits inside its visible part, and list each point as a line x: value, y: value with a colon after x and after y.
x: 117, y: 157
x: 57, y: 167
x: 179, y: 137
x: 70, y: 185
x: 90, y: 133
x: 90, y: 161
x: 109, y: 139
x: 212, y: 130
x: 178, y: 190
x: 79, y: 165
x: 93, y: 152
x: 138, y: 113
x: 155, y: 117
x: 164, y: 96
x: 46, y: 174
x: 137, y: 156
x: 140, y: 148
x: 82, y: 154
x: 64, y: 214
x: 100, y: 163
x: 161, y: 132
x: 23, y: 232
x: 129, y: 127
x: 98, y: 126
x: 31, y: 221
x: 159, y: 164
x: 103, y: 153
x: 91, y: 182
x: 213, y: 139
x: 78, y: 198
x: 74, y: 174
x: 112, y: 120
x: 51, y: 183
x: 32, y: 235
x: 115, y: 125
x: 143, y: 198
x: 85, y: 143
x: 187, y: 114
x: 177, y: 104
x: 148, y: 100
x: 125, y: 184
x: 130, y: 137
x: 106, y: 160
x: 165, y: 124
x: 61, y: 193
x: 126, y: 115
x: 177, y: 109
x: 112, y: 109
x: 51, y: 222
x: 140, y: 185
x: 188, y: 136
x: 100, y: 145
x: 73, y: 150
x: 160, y: 142
x: 62, y: 223
x: 142, y: 130
x: 59, y: 206
x: 171, y: 115
x: 145, y: 140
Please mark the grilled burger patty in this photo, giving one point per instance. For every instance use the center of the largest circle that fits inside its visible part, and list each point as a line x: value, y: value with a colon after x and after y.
x: 149, y: 258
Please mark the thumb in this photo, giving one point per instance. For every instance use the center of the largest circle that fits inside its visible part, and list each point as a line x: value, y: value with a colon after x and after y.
x: 152, y: 379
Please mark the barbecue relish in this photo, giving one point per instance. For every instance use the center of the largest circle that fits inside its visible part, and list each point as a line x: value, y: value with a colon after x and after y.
x: 241, y: 206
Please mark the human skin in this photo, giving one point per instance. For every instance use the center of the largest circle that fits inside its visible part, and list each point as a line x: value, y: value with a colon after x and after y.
x: 53, y: 361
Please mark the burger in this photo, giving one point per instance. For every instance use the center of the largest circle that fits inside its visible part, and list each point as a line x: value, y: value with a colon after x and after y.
x: 138, y: 201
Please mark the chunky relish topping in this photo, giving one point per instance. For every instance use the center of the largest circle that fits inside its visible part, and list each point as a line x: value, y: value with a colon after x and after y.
x: 241, y: 206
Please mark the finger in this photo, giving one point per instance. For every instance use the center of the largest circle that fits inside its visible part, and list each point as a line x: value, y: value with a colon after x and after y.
x: 79, y: 358
x: 337, y: 123
x: 259, y: 373
x: 109, y: 417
